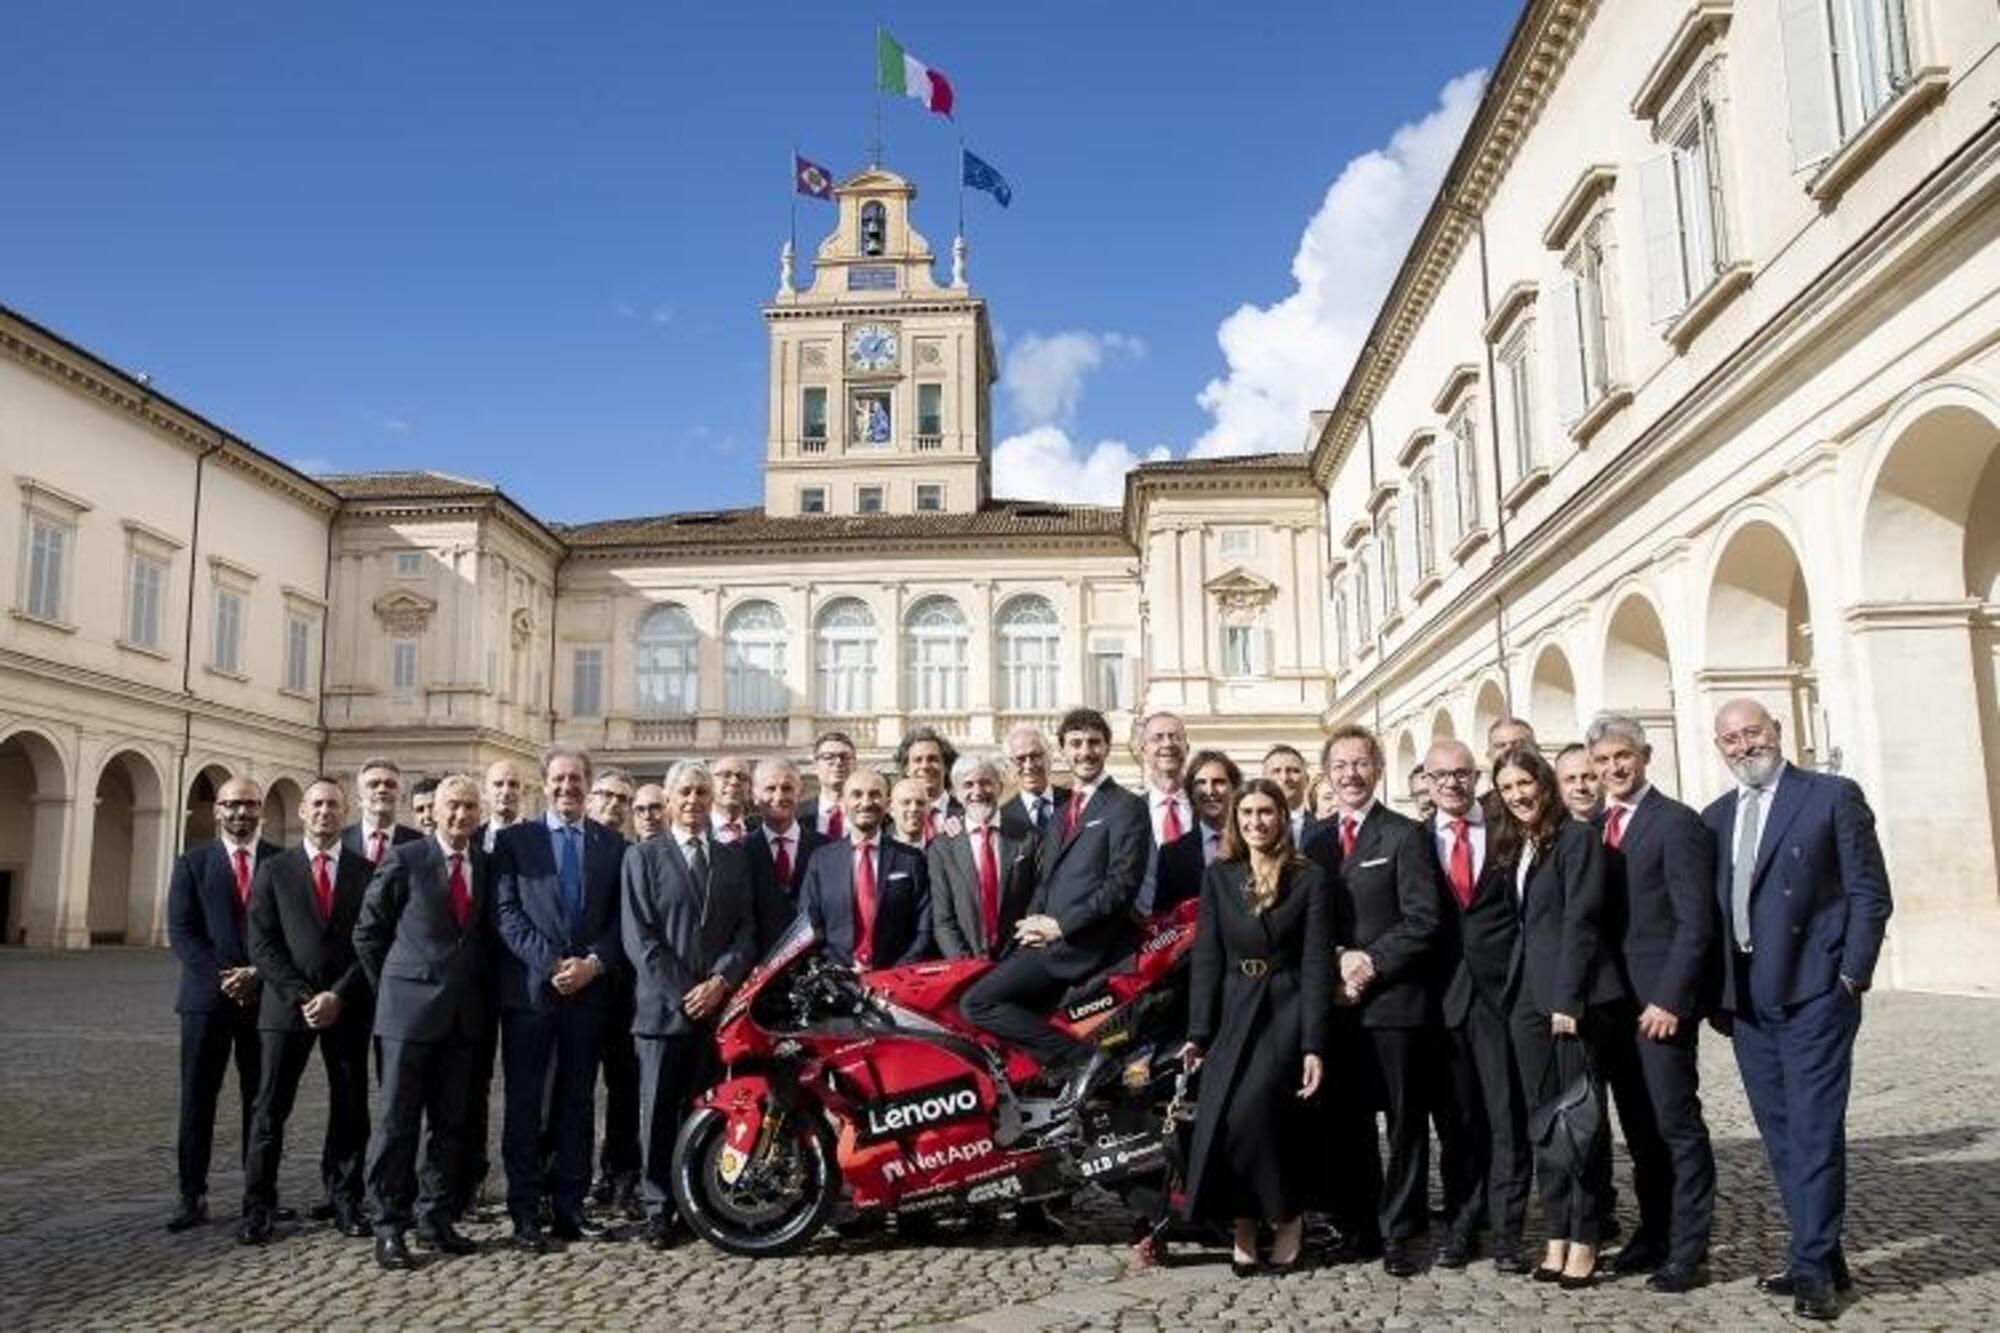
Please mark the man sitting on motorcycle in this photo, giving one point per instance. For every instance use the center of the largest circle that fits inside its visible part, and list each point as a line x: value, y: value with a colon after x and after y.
x: 1092, y: 858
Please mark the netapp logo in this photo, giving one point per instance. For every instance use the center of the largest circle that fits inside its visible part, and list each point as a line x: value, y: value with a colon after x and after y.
x: 1089, y: 1007
x: 920, y: 1108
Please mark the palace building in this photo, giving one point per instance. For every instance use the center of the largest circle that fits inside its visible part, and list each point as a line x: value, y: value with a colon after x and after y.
x: 1688, y: 387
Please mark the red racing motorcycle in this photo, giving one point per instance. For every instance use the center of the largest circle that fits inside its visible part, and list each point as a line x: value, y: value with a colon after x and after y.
x: 872, y: 1086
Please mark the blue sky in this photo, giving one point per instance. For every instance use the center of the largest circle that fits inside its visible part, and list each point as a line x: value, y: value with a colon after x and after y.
x: 529, y: 242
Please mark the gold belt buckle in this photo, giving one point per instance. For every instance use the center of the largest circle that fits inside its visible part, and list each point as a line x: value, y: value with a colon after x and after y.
x: 1254, y: 967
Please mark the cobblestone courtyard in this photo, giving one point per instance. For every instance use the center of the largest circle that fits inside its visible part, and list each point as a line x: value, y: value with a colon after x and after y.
x: 87, y: 1045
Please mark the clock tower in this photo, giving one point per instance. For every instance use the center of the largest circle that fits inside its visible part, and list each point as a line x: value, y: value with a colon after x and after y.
x: 881, y: 379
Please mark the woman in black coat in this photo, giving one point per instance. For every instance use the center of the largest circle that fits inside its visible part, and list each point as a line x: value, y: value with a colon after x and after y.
x: 1561, y: 977
x: 1260, y: 996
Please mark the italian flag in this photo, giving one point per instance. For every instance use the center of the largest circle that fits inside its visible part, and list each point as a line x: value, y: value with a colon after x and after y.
x: 897, y: 71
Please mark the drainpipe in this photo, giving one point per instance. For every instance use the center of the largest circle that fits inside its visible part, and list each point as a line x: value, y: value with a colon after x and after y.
x: 325, y: 629
x: 180, y: 806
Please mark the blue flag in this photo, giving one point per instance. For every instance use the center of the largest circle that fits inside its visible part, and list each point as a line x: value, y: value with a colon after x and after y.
x: 980, y: 175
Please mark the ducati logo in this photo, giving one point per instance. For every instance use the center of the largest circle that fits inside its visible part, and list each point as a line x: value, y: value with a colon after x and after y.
x: 919, y: 1108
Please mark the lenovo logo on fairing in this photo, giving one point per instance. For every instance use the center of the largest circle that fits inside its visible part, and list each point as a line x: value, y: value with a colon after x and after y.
x: 919, y: 1108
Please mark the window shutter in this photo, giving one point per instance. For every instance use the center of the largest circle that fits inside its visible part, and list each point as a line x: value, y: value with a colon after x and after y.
x: 1406, y: 537
x: 1568, y: 350
x: 1809, y: 91
x: 1659, y: 214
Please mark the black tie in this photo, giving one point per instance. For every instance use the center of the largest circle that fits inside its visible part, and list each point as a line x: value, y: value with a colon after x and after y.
x: 698, y: 869
x: 1041, y: 814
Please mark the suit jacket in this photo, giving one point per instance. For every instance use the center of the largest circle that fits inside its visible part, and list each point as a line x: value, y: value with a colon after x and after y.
x: 1819, y: 900
x: 1561, y: 962
x: 1014, y: 820
x: 1385, y: 902
x: 902, y: 901
x: 775, y: 904
x: 1181, y: 868
x: 429, y: 974
x: 205, y: 922
x: 1659, y: 905
x: 1477, y: 942
x: 1089, y: 880
x: 298, y: 955
x: 354, y: 842
x: 677, y: 937
x: 958, y: 920
x: 533, y: 924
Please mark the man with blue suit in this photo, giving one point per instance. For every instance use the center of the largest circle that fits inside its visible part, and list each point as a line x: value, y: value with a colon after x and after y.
x: 555, y: 904
x: 208, y: 898
x: 1804, y: 899
x: 868, y: 894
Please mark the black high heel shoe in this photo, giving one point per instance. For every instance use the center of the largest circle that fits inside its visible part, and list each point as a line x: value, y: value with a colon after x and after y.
x: 1241, y: 1269
x: 1542, y: 1274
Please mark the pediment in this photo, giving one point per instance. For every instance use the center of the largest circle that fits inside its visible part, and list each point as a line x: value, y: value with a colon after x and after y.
x: 1240, y: 589
x: 404, y: 610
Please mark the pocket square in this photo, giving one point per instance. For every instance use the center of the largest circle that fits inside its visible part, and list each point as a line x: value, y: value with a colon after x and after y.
x: 1092, y: 823
x: 900, y: 874
x: 1378, y: 861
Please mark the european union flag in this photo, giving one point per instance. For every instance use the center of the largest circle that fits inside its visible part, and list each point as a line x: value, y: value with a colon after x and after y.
x: 980, y: 175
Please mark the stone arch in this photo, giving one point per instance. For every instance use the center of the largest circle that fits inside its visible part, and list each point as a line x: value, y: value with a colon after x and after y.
x: 1638, y: 679
x: 1552, y: 710
x: 127, y: 845
x: 35, y: 806
x: 1407, y: 756
x: 198, y: 824
x: 1489, y: 705
x: 1758, y: 632
x: 1442, y: 727
x: 281, y: 810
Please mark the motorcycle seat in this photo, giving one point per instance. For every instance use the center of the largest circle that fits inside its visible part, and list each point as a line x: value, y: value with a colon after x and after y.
x: 1083, y: 989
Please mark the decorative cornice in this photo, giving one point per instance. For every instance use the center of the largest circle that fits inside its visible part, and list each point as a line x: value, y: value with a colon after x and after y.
x: 1704, y: 22
x: 1516, y: 299
x: 1456, y: 381
x: 1420, y: 439
x: 1592, y: 181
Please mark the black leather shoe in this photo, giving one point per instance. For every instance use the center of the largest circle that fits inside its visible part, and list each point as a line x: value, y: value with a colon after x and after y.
x: 1397, y: 1261
x: 579, y: 1226
x: 626, y: 1203
x: 1814, y: 1299
x: 1672, y: 1279
x: 1776, y: 1284
x: 531, y: 1240
x: 349, y: 1220
x: 284, y: 1214
x: 1784, y: 1284
x: 1354, y: 1250
x: 1843, y: 1281
x: 322, y: 1212
x: 1456, y: 1252
x: 661, y: 1234
x: 440, y: 1235
x: 1641, y: 1256
x: 1509, y: 1258
x: 1242, y: 1269
x: 391, y: 1253
x: 603, y: 1190
x: 192, y: 1212
x: 255, y: 1228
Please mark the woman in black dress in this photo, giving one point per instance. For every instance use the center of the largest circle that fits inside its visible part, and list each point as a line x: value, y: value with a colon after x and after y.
x: 1260, y: 996
x: 1556, y: 868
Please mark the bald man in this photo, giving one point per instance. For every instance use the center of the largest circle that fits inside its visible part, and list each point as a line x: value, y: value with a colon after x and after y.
x: 208, y: 901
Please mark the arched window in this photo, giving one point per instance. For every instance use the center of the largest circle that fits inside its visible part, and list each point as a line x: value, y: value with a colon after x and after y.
x: 846, y: 664
x: 936, y: 649
x: 669, y: 663
x: 874, y: 228
x: 1030, y: 643
x: 753, y: 657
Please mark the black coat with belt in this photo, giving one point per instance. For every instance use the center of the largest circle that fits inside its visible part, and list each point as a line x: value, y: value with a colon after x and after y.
x: 1385, y: 903
x: 1260, y: 999
x: 297, y: 954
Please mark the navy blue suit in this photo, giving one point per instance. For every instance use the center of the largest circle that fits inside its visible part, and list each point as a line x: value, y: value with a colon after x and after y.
x: 902, y: 901
x: 550, y: 1044
x: 1819, y: 902
x: 206, y: 926
x: 776, y: 904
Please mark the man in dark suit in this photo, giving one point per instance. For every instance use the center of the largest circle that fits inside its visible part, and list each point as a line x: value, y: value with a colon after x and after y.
x: 555, y: 904
x: 868, y: 895
x: 1804, y: 899
x: 1660, y: 927
x: 1478, y: 1107
x: 928, y: 758
x: 1212, y: 780
x: 1034, y: 802
x: 777, y: 849
x: 980, y: 878
x: 423, y: 938
x: 1383, y: 876
x: 303, y: 905
x: 833, y: 760
x: 1163, y: 753
x: 689, y: 933
x: 1287, y: 767
x: 1088, y: 871
x: 208, y: 897
x: 378, y: 787
x: 1581, y: 788
x: 501, y: 789
x: 731, y: 815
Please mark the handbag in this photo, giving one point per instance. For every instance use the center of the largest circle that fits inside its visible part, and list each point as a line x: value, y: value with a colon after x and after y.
x: 1566, y: 1126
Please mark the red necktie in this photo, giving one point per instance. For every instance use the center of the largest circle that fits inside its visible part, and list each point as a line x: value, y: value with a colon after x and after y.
x: 834, y: 826
x: 784, y: 863
x: 242, y: 877
x: 1347, y: 827
x: 377, y: 844
x: 864, y: 904
x: 989, y: 889
x: 930, y: 825
x: 461, y: 892
x: 1461, y: 863
x: 1614, y: 827
x: 322, y: 888
x: 1170, y: 825
x: 1073, y: 816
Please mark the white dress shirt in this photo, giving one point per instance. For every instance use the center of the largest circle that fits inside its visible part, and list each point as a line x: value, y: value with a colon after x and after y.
x: 1475, y: 833
x: 1157, y: 802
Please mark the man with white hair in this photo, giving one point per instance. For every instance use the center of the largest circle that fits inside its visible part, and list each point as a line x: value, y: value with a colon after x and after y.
x: 980, y: 878
x: 1035, y: 801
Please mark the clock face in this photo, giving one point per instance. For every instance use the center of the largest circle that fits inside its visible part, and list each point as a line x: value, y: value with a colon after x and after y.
x: 872, y: 347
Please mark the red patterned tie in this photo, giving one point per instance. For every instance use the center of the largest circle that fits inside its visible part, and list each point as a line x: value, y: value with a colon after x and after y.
x: 1073, y: 814
x: 461, y: 892
x: 242, y: 877
x: 1614, y: 827
x: 378, y: 842
x: 1170, y: 824
x: 864, y: 904
x: 930, y: 825
x: 836, y: 826
x: 784, y: 862
x: 1347, y: 826
x: 1461, y: 862
x: 989, y: 889
x: 322, y: 888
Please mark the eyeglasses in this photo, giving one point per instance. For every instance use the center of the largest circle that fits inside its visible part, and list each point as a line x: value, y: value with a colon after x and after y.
x: 1749, y: 735
x: 1463, y: 777
x: 1031, y: 758
x: 238, y: 805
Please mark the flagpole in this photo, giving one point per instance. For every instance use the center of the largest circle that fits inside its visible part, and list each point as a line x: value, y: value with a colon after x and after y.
x: 794, y: 193
x: 961, y: 183
x: 875, y: 159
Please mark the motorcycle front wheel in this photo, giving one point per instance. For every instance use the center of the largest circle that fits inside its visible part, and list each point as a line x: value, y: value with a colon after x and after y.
x: 779, y: 1201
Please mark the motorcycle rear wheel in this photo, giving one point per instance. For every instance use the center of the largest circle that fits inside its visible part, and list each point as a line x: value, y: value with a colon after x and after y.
x: 776, y: 1207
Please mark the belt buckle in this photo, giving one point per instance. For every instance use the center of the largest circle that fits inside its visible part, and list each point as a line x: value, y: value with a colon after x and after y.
x: 1253, y: 967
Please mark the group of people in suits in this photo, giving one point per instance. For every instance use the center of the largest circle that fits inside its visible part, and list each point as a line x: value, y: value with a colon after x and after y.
x: 1490, y: 972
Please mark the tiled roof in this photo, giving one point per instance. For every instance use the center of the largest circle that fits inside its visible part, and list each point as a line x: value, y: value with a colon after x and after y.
x: 1293, y: 460
x: 403, y: 486
x: 743, y: 527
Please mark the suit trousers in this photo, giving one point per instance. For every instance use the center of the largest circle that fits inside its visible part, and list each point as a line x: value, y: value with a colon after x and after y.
x: 1657, y: 1088
x: 343, y: 1051
x: 1372, y: 1198
x: 208, y: 1042
x: 1797, y: 1064
x: 622, y: 1157
x: 550, y: 1059
x: 1488, y: 1090
x: 425, y: 1084
x: 477, y: 1161
x: 671, y: 1071
x: 1576, y: 1198
x: 1013, y: 1001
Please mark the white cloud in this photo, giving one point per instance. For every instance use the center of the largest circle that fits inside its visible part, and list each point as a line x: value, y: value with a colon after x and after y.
x: 394, y: 425
x: 313, y: 465
x: 1289, y: 358
x: 1044, y: 463
x: 1045, y: 372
